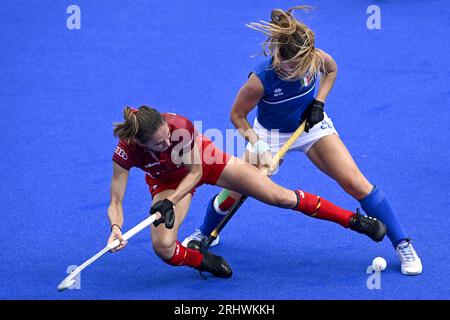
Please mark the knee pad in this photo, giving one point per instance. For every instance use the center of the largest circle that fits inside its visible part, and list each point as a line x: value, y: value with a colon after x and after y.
x: 223, y: 202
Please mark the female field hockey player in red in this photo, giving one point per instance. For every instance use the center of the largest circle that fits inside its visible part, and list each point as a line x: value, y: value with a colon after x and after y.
x: 282, y: 87
x: 177, y: 159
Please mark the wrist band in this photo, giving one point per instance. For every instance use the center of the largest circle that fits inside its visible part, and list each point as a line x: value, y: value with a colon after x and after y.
x: 115, y: 224
x: 260, y: 146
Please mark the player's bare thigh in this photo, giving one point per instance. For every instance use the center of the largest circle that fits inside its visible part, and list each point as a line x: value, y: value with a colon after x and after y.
x: 244, y: 178
x: 251, y: 158
x: 331, y: 156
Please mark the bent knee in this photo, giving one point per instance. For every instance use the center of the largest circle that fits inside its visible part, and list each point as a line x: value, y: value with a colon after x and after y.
x: 356, y: 185
x: 164, y: 247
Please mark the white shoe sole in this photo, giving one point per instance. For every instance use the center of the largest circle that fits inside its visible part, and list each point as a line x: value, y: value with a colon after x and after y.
x: 411, y: 273
x: 187, y: 240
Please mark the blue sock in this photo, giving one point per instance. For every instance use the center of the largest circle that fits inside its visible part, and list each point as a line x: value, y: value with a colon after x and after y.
x: 212, y: 218
x: 376, y: 205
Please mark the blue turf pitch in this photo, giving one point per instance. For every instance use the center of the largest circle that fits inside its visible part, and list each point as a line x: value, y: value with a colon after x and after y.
x: 61, y: 90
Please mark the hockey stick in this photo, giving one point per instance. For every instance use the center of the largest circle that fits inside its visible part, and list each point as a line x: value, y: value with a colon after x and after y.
x: 206, y: 243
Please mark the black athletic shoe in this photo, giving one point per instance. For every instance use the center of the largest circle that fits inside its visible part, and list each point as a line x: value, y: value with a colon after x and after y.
x: 215, y: 265
x: 194, y: 244
x: 371, y: 227
x: 199, y: 245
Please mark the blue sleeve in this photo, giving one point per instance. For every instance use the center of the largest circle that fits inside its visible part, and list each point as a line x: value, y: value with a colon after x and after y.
x: 261, y: 71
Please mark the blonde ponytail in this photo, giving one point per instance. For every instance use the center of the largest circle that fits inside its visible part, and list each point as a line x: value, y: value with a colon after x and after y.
x: 290, y: 41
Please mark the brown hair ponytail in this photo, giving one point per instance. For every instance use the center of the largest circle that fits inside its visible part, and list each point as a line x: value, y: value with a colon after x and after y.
x: 140, y: 124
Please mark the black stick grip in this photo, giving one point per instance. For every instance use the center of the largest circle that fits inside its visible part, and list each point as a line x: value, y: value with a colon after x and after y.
x: 205, y: 244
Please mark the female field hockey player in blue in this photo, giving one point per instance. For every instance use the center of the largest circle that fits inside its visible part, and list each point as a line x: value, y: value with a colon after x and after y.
x: 177, y: 159
x: 282, y: 88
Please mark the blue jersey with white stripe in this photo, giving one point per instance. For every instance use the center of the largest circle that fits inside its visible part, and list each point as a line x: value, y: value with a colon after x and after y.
x: 284, y: 102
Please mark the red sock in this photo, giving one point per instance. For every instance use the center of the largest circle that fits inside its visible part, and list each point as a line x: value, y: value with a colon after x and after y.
x: 185, y: 257
x: 317, y: 207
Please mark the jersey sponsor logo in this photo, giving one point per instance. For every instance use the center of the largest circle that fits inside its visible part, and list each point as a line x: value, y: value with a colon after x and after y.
x: 149, y: 165
x: 121, y: 153
x: 277, y: 92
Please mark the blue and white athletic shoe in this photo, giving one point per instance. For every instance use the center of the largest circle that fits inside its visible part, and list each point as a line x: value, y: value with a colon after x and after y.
x: 411, y: 263
x: 198, y: 236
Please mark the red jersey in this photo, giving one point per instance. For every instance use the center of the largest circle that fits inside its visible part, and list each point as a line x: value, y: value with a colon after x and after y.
x: 161, y: 168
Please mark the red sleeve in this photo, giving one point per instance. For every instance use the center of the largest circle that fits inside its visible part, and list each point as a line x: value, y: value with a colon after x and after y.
x: 183, y: 132
x: 123, y: 156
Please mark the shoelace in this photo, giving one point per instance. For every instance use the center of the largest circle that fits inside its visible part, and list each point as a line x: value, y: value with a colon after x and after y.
x: 197, y: 234
x: 408, y: 253
x: 366, y: 222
